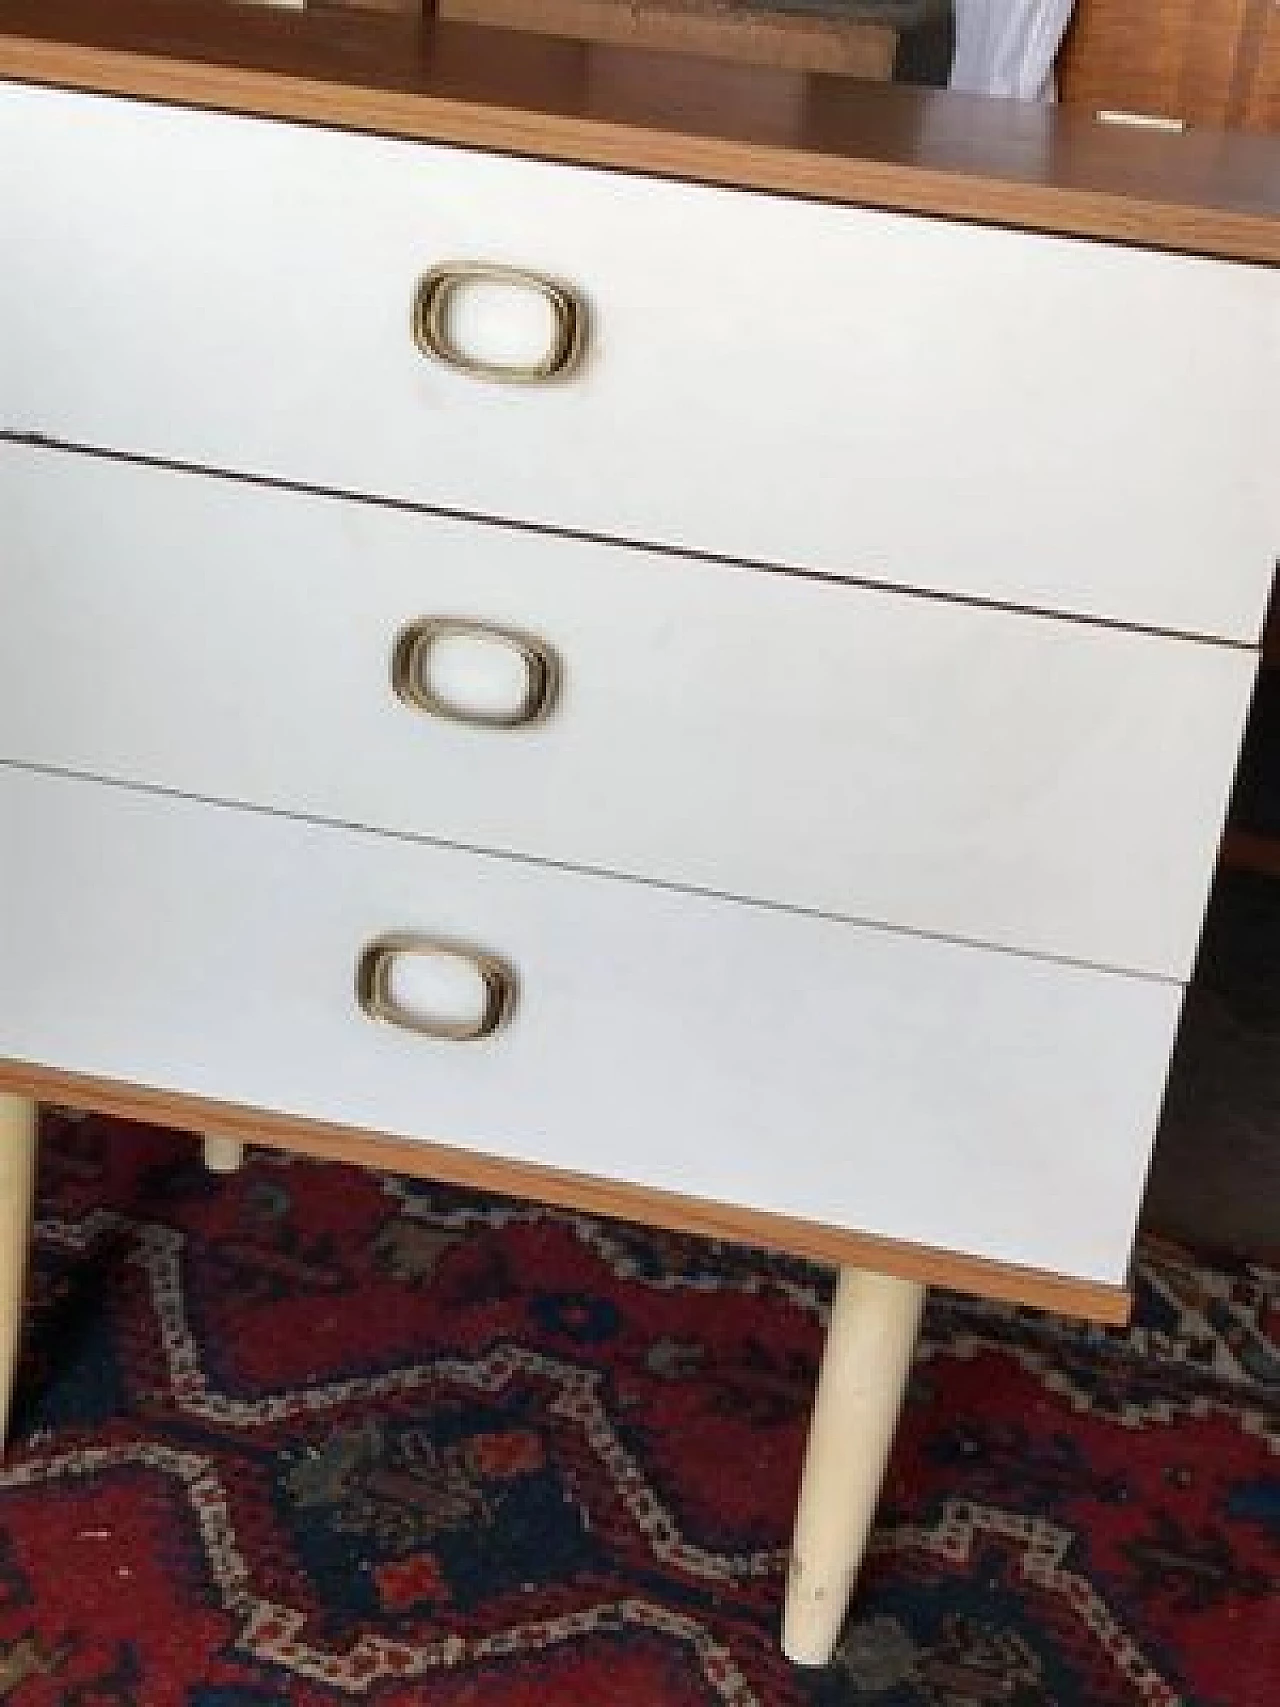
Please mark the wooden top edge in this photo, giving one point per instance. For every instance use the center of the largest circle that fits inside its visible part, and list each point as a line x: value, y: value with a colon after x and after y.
x: 982, y: 1276
x: 824, y: 137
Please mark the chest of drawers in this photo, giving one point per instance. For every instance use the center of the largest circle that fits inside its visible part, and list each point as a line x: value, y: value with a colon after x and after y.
x: 700, y: 702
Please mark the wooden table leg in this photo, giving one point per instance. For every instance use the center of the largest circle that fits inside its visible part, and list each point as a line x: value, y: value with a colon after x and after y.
x: 17, y: 1188
x: 875, y: 1321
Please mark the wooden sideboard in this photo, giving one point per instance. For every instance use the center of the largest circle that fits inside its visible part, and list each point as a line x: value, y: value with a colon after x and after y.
x: 665, y: 636
x: 1214, y: 63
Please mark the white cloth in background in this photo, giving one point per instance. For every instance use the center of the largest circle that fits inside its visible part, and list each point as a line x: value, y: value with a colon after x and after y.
x: 1008, y: 47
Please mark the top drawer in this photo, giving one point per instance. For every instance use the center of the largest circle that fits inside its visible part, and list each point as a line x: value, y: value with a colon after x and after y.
x: 1032, y: 420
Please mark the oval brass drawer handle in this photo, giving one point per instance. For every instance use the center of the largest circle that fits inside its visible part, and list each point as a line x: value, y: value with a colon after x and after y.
x: 411, y: 672
x: 431, y: 313
x: 493, y: 985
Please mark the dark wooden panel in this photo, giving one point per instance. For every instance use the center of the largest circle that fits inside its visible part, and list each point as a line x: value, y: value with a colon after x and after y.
x: 790, y: 41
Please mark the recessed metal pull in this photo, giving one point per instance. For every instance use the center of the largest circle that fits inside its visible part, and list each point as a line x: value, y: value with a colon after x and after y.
x: 422, y: 647
x: 475, y: 991
x: 434, y: 299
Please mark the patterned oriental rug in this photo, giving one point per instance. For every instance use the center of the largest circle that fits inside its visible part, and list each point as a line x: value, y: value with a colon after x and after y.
x: 312, y: 1436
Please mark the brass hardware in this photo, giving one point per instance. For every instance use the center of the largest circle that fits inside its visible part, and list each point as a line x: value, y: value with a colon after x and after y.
x: 373, y: 987
x: 1143, y: 121
x: 410, y: 658
x: 431, y: 316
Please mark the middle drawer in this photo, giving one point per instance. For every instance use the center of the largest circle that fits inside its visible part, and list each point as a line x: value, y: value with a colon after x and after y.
x: 1040, y: 784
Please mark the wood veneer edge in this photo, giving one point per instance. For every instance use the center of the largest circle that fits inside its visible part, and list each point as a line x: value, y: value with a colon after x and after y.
x: 425, y: 1159
x: 1127, y: 210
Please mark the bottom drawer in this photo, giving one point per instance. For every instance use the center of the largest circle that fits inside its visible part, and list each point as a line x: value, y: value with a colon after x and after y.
x: 965, y: 1099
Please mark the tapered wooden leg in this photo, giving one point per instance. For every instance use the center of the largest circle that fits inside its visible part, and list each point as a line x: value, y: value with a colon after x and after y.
x: 875, y: 1321
x: 223, y: 1155
x: 17, y: 1188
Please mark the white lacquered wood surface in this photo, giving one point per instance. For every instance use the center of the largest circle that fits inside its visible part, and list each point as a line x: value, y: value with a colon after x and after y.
x: 946, y: 1096
x: 1017, y: 418
x: 1055, y: 787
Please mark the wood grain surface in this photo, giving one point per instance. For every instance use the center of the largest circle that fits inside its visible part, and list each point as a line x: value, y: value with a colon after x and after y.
x: 1212, y: 63
x: 667, y: 114
x: 746, y: 35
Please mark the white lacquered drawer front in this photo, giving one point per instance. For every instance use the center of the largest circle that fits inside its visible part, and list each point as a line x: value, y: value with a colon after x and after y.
x: 946, y: 1096
x: 1016, y: 418
x: 1050, y: 786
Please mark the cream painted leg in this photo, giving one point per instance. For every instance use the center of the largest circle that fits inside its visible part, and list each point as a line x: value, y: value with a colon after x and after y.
x: 875, y: 1321
x: 17, y: 1186
x: 223, y: 1155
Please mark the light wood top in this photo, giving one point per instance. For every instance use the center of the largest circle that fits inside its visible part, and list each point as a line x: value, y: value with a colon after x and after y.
x: 824, y: 137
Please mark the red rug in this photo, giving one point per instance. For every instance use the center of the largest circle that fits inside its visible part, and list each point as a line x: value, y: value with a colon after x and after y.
x: 308, y: 1435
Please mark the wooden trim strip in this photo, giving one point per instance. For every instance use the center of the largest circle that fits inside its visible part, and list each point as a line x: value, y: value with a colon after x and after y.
x: 428, y: 1160
x: 925, y: 151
